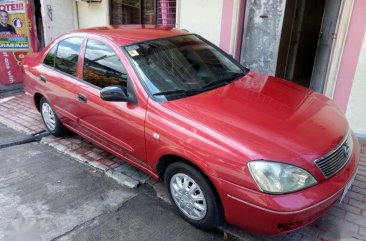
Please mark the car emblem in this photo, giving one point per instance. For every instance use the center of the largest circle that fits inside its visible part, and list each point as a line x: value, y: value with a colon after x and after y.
x: 345, y: 151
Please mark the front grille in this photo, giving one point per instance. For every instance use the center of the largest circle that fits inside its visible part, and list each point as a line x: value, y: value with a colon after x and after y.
x: 331, y: 163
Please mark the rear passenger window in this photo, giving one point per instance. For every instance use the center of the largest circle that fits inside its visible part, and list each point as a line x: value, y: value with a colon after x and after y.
x: 50, y: 57
x: 67, y: 55
x: 102, y: 67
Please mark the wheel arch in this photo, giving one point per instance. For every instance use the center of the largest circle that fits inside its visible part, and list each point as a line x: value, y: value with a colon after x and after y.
x: 168, y: 159
x: 37, y: 98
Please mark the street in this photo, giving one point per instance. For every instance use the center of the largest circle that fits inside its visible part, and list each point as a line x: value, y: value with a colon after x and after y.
x: 48, y: 196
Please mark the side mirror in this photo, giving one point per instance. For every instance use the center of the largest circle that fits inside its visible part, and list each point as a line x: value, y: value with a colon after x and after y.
x: 114, y: 93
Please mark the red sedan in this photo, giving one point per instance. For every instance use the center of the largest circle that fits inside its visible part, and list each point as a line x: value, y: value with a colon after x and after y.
x: 230, y: 144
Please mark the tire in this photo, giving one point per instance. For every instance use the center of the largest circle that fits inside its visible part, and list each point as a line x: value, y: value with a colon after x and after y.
x: 203, y: 212
x: 50, y: 120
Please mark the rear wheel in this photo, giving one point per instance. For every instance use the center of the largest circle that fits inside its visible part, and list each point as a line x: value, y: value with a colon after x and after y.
x: 192, y: 195
x: 50, y: 119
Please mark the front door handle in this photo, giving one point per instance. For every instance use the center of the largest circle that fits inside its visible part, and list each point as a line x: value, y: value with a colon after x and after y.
x: 43, y: 79
x: 82, y: 98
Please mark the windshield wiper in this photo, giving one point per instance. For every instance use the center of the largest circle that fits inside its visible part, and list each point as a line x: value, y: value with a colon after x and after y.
x: 181, y: 91
x: 223, y: 80
x: 102, y: 57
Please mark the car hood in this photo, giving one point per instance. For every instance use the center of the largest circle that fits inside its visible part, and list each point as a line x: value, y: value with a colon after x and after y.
x: 264, y: 117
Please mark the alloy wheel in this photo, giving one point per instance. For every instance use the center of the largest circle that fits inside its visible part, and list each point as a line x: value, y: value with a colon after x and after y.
x: 48, y: 116
x: 188, y: 196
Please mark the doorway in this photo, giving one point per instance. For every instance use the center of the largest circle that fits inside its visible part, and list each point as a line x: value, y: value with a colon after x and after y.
x: 306, y: 41
x: 39, y: 23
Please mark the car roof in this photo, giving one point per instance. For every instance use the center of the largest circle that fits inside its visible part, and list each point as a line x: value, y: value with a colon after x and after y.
x: 128, y: 34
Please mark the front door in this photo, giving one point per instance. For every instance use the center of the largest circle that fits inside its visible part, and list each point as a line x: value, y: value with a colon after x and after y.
x: 117, y: 126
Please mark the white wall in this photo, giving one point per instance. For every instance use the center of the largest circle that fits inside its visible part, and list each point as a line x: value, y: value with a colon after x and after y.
x: 93, y: 14
x: 60, y: 21
x: 202, y: 17
x: 356, y: 110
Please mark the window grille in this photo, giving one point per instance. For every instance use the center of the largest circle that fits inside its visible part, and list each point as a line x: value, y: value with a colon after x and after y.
x: 159, y: 12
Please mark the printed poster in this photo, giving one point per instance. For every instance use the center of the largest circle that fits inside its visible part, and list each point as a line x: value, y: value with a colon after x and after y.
x: 17, y: 38
x: 14, y: 35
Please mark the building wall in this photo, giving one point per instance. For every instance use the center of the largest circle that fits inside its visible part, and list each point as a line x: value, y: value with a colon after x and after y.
x: 93, y: 14
x: 351, y: 53
x: 232, y: 23
x: 356, y: 109
x: 202, y: 17
x: 58, y: 18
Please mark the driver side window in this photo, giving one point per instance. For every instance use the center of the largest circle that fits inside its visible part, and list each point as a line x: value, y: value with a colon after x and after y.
x: 102, y: 67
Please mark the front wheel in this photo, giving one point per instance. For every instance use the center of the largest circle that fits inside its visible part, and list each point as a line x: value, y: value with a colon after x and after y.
x: 51, y: 121
x: 192, y: 195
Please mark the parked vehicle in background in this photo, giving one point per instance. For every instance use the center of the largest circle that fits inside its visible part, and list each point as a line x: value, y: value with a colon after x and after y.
x: 230, y: 144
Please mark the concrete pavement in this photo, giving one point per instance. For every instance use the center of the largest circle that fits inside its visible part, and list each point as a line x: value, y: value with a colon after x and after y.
x: 45, y: 195
x: 345, y: 221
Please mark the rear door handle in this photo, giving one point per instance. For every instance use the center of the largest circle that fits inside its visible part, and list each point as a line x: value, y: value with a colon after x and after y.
x: 82, y: 98
x: 43, y: 79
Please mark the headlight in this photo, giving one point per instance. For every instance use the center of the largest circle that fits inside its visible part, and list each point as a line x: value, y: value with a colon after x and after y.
x: 275, y: 177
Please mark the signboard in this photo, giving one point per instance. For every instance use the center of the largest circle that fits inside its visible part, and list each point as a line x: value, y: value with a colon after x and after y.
x: 14, y: 34
x: 17, y: 38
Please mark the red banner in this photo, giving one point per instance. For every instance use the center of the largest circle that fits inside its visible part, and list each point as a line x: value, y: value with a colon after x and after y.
x: 17, y: 38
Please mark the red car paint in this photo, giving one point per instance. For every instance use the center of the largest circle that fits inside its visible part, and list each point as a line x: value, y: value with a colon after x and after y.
x: 219, y: 131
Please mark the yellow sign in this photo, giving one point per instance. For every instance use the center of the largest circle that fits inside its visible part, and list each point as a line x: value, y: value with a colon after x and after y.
x: 14, y: 34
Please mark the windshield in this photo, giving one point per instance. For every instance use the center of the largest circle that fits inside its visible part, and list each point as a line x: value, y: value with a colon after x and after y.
x: 181, y: 66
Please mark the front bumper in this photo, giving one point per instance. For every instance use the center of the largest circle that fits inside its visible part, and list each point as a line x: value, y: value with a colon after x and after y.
x: 276, y: 214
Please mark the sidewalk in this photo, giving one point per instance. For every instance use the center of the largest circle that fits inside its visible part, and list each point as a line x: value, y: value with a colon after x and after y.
x: 345, y: 221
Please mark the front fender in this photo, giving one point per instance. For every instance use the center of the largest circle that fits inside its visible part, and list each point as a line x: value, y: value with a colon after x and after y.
x: 168, y: 133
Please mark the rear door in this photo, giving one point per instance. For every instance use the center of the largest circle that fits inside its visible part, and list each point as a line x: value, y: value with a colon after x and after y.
x: 117, y: 126
x: 58, y: 77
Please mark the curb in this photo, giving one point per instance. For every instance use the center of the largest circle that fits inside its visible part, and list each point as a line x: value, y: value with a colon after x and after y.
x: 121, y: 178
x: 114, y: 173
